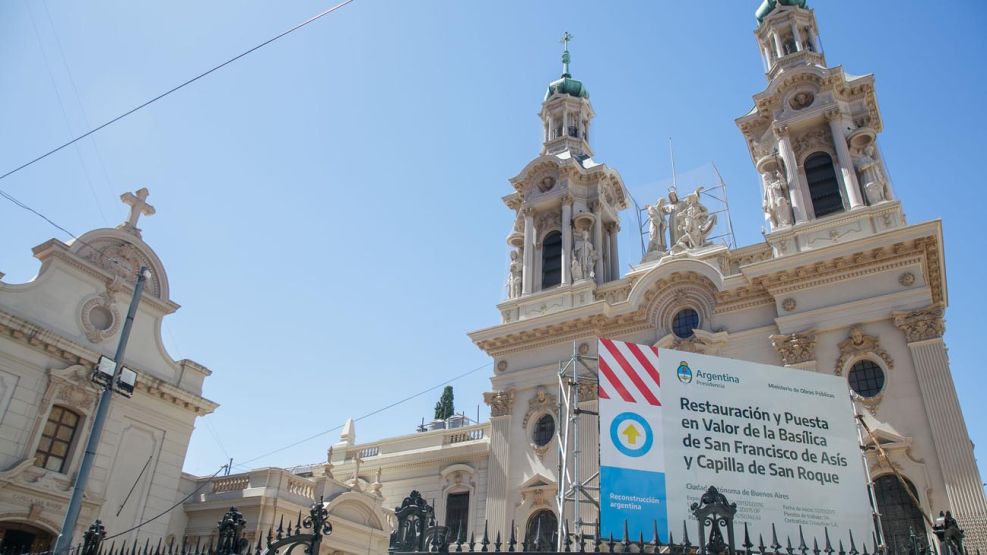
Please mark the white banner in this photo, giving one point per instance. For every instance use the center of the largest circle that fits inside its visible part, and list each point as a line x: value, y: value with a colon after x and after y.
x: 781, y: 443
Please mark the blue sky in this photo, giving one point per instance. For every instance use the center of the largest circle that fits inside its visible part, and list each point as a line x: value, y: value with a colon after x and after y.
x: 329, y: 207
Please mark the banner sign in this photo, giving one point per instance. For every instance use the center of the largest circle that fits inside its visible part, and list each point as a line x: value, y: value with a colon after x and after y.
x: 781, y: 443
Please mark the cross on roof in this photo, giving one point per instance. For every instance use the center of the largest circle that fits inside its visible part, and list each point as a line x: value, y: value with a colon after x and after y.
x: 138, y: 205
x: 566, y: 37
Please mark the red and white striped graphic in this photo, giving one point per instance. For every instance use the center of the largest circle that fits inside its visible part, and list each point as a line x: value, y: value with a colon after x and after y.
x: 629, y: 372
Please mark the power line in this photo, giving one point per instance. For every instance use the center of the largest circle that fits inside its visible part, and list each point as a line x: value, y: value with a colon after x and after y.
x: 186, y: 83
x: 61, y: 103
x: 169, y: 509
x: 368, y: 415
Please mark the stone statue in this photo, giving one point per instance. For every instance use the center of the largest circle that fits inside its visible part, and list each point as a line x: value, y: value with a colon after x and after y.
x: 776, y: 204
x: 576, y: 269
x: 658, y: 227
x: 584, y: 259
x: 695, y: 223
x: 515, y: 275
x: 674, y: 210
x: 871, y: 176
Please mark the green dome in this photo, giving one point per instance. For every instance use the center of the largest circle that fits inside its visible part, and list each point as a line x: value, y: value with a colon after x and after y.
x: 567, y: 85
x: 768, y: 6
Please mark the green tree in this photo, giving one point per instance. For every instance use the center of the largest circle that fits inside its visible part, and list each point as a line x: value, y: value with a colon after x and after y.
x: 445, y: 407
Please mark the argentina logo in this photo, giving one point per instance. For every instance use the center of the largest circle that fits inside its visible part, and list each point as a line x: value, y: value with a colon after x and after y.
x: 684, y: 373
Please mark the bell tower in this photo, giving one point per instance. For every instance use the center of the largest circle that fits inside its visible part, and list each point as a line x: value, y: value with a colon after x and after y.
x: 564, y: 239
x: 566, y: 112
x: 812, y: 136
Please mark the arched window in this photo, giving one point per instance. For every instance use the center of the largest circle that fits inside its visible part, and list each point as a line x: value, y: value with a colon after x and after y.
x: 56, y: 438
x: 18, y: 537
x: 541, y: 531
x: 685, y: 322
x: 824, y: 188
x: 899, y: 515
x: 551, y: 260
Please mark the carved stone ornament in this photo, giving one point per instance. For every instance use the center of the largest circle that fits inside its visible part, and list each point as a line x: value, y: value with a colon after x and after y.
x: 906, y: 279
x: 789, y: 304
x: 589, y: 391
x: 919, y: 325
x: 548, y: 220
x: 500, y: 402
x: 817, y: 139
x: 797, y: 347
x: 860, y: 344
x: 801, y: 100
x: 542, y: 401
x: 99, y: 318
x: 546, y: 184
x: 501, y: 365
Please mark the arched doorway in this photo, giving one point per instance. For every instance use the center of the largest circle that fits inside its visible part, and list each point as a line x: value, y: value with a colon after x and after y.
x: 543, y: 526
x: 19, y: 537
x: 900, y: 518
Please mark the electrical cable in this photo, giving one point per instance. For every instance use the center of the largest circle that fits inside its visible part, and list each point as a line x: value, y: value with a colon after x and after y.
x: 61, y: 103
x: 169, y: 509
x: 316, y: 17
x: 368, y: 415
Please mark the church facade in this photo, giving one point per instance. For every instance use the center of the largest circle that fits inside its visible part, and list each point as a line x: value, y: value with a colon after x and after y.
x: 842, y: 285
x: 53, y: 331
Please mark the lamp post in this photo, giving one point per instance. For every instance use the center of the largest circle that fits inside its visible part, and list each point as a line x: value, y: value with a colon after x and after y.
x: 64, y: 540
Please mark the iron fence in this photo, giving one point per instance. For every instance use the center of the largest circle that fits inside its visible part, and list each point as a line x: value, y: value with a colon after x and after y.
x: 418, y: 532
x: 306, y: 533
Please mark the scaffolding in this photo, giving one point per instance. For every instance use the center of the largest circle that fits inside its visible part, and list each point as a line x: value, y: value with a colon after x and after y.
x: 715, y: 198
x: 575, y: 373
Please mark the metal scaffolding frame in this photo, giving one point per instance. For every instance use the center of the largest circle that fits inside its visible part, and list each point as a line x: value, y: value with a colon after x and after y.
x: 572, y: 490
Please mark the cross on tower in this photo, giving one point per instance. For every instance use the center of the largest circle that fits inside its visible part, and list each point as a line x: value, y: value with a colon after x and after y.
x: 566, y: 37
x: 138, y: 205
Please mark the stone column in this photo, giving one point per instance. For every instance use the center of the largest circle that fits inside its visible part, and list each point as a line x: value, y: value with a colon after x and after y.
x: 814, y: 37
x: 527, y: 279
x: 779, y: 46
x: 501, y: 404
x: 923, y: 330
x: 792, y: 173
x: 797, y: 35
x: 847, y: 171
x: 614, y: 259
x: 605, y: 254
x: 566, y: 240
x: 767, y: 58
x: 598, y: 241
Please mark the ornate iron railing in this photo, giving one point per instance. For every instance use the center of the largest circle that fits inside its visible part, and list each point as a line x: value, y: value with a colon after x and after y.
x: 418, y: 532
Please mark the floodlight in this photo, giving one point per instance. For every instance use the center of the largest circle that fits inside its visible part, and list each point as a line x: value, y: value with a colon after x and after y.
x: 126, y: 382
x: 104, y: 370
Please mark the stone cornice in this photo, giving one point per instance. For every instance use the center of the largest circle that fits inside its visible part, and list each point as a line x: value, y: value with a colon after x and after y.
x: 56, y: 346
x: 761, y: 283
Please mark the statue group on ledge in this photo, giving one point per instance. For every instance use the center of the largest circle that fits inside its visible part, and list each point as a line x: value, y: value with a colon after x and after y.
x: 679, y: 225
